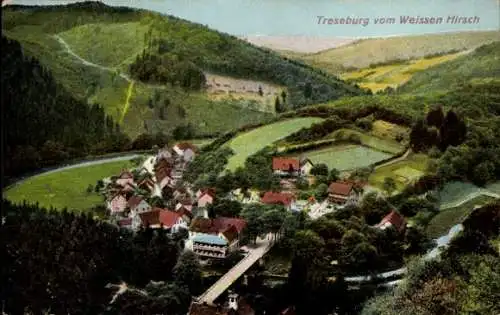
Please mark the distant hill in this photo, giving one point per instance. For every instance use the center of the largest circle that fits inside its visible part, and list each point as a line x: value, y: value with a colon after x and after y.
x: 480, y: 67
x: 90, y: 48
x: 366, y: 52
x: 297, y: 44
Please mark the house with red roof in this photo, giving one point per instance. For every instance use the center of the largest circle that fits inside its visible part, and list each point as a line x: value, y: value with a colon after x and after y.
x: 342, y: 193
x: 215, y: 238
x: 147, y: 184
x: 286, y: 199
x: 205, y: 199
x: 138, y: 204
x: 125, y: 179
x: 284, y: 166
x: 164, y: 153
x: 393, y: 220
x: 167, y: 219
x: 117, y: 203
x: 185, y: 150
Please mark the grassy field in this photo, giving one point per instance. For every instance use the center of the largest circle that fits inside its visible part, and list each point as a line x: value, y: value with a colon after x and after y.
x: 444, y: 220
x: 252, y: 141
x: 345, y: 157
x: 66, y: 188
x: 494, y: 187
x: 384, y: 145
x: 111, y: 45
x: 454, y: 191
x: 402, y: 171
x: 380, y: 77
x: 363, y: 53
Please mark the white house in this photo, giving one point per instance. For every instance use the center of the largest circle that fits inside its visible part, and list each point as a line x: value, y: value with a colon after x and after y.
x: 156, y: 218
x: 137, y: 204
x: 305, y: 167
x: 342, y: 193
x: 117, y: 204
x: 205, y: 199
x: 185, y: 150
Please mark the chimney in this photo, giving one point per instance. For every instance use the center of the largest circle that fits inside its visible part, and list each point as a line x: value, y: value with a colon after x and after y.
x: 233, y: 301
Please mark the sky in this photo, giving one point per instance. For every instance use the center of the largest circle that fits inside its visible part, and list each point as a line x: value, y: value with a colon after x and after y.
x: 300, y: 17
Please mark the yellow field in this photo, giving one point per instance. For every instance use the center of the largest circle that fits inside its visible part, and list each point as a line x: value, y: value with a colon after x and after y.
x: 387, y: 130
x: 381, y: 77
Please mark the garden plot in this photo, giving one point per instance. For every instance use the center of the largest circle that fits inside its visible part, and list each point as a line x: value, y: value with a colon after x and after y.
x: 345, y: 157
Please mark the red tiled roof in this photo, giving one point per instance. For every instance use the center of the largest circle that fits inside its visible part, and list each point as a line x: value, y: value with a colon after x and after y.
x: 160, y: 174
x: 186, y: 145
x: 396, y: 219
x: 285, y: 164
x: 169, y: 218
x: 273, y: 198
x: 159, y: 216
x: 216, y: 226
x: 126, y: 174
x: 207, y: 191
x: 147, y: 183
x: 163, y: 163
x: 134, y: 201
x: 230, y: 233
x: 340, y: 188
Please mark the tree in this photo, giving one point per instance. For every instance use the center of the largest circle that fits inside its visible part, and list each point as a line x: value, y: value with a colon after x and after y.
x: 226, y: 208
x: 319, y: 169
x: 374, y: 208
x: 283, y: 96
x: 435, y: 117
x: 416, y: 240
x: 389, y: 185
x: 321, y: 192
x: 187, y: 272
x: 273, y: 220
x: 89, y: 189
x: 308, y: 90
x: 278, y: 107
x: 260, y: 91
x: 334, y: 175
x: 253, y: 215
x: 483, y: 173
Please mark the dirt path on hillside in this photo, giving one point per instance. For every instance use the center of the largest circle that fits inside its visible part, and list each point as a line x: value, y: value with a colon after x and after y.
x: 101, y: 67
x: 396, y: 160
x: 467, y: 198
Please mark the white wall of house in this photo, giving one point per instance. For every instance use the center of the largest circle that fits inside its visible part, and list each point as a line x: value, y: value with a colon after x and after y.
x: 205, y: 200
x: 143, y: 206
x: 306, y: 168
x: 188, y: 155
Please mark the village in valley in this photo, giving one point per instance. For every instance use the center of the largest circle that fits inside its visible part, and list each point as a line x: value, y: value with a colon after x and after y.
x: 154, y: 195
x: 156, y: 163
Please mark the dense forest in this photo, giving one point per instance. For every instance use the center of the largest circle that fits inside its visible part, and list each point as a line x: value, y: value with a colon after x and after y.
x: 62, y: 262
x: 44, y: 124
x: 465, y: 281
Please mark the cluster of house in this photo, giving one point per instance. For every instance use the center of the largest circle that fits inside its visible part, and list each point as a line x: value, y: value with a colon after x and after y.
x: 340, y: 193
x: 161, y: 176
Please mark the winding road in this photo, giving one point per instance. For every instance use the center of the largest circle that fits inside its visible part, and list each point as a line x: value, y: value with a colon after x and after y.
x: 57, y: 169
x: 469, y: 197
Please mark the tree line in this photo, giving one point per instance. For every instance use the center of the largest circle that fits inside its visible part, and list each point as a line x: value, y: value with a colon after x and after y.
x: 45, y: 124
x: 61, y: 262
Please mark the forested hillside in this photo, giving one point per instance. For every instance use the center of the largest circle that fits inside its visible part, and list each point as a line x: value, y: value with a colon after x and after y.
x: 138, y: 54
x: 481, y: 66
x: 43, y: 123
x: 59, y: 262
